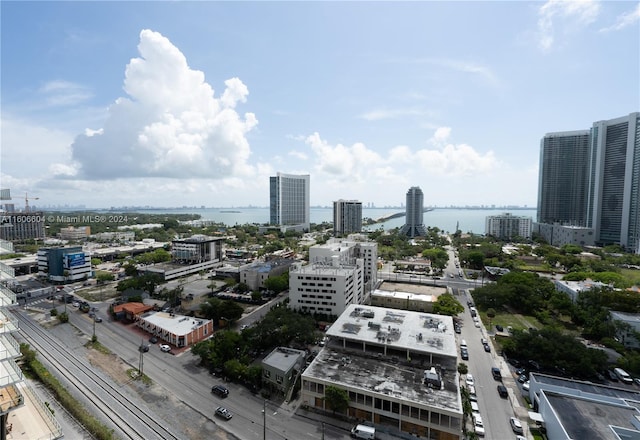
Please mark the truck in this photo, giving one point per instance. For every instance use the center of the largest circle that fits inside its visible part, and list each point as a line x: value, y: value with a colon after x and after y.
x: 363, y: 432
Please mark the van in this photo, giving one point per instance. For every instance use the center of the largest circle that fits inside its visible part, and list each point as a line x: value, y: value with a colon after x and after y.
x: 623, y: 375
x: 363, y: 432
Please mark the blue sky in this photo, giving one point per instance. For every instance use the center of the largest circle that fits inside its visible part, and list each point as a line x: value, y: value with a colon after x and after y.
x: 198, y: 103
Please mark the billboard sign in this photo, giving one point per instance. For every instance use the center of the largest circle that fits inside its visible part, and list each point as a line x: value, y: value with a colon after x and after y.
x: 74, y: 260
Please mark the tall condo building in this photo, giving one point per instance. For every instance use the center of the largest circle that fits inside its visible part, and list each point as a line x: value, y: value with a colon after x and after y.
x: 414, y: 226
x: 347, y: 217
x: 614, y: 212
x: 289, y: 201
x: 563, y: 178
x: 591, y: 179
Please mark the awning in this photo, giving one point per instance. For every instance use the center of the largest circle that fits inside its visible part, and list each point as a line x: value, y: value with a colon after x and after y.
x: 536, y: 417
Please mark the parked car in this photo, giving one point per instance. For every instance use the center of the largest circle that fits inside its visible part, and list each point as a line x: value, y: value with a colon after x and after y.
x: 220, y: 390
x: 516, y: 426
x: 502, y: 391
x: 166, y: 348
x: 464, y: 354
x: 478, y: 426
x: 499, y: 328
x: 153, y: 340
x: 487, y: 348
x: 143, y: 348
x: 97, y: 319
x: 223, y: 412
x: 495, y: 372
x: 525, y: 386
x: 469, y: 379
x: 522, y: 378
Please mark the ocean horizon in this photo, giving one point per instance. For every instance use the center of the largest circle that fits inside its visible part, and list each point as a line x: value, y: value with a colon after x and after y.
x: 445, y: 219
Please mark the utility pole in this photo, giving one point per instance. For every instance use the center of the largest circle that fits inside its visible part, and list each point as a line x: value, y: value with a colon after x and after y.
x: 141, y: 362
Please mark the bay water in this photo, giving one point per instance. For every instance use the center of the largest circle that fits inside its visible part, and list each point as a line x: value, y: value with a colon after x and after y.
x: 445, y: 219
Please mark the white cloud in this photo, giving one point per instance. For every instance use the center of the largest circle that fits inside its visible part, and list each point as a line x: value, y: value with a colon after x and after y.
x: 358, y: 171
x: 298, y: 155
x: 624, y: 20
x: 565, y: 15
x: 64, y: 93
x: 170, y: 124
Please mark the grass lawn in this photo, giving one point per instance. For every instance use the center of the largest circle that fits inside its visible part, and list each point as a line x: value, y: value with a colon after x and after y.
x: 631, y: 274
x: 514, y: 320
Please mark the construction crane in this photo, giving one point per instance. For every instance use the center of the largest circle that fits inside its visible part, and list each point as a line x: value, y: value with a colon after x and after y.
x: 26, y: 201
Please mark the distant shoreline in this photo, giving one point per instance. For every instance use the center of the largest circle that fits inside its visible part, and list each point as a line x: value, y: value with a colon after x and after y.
x: 235, y: 209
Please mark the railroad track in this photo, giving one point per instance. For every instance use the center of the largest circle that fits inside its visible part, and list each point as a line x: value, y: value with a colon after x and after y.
x: 131, y: 419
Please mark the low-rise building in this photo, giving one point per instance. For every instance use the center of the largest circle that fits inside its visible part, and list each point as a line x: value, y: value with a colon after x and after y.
x: 573, y: 288
x: 281, y: 367
x: 559, y: 235
x: 177, y: 330
x: 399, y: 369
x: 254, y: 275
x: 72, y: 233
x: 570, y: 409
x: 627, y: 328
x: 416, y: 302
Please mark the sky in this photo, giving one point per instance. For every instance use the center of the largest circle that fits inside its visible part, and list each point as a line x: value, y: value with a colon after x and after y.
x: 171, y: 104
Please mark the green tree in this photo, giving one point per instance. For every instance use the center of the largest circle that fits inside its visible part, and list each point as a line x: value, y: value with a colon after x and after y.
x: 438, y: 257
x: 447, y: 305
x: 336, y: 398
x: 103, y: 277
x: 278, y: 283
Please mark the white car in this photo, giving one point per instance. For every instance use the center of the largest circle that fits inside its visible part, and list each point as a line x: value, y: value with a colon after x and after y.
x: 525, y: 386
x: 165, y: 348
x: 478, y: 426
x: 516, y: 426
x: 469, y: 380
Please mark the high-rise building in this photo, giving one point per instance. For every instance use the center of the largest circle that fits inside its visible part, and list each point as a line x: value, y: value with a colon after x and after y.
x: 591, y: 179
x: 414, y: 214
x: 347, y: 217
x: 563, y: 178
x: 289, y: 199
x: 615, y: 182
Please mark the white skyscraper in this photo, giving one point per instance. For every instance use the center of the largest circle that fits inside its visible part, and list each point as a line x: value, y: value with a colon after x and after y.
x: 289, y: 201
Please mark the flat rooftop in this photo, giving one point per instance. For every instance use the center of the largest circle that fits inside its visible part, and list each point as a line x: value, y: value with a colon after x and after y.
x: 418, y: 289
x: 401, y: 330
x: 175, y: 324
x: 387, y: 376
x: 284, y: 358
x: 585, y: 388
x: 593, y: 420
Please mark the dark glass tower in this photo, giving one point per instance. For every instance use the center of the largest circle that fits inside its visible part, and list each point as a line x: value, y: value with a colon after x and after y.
x: 414, y: 213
